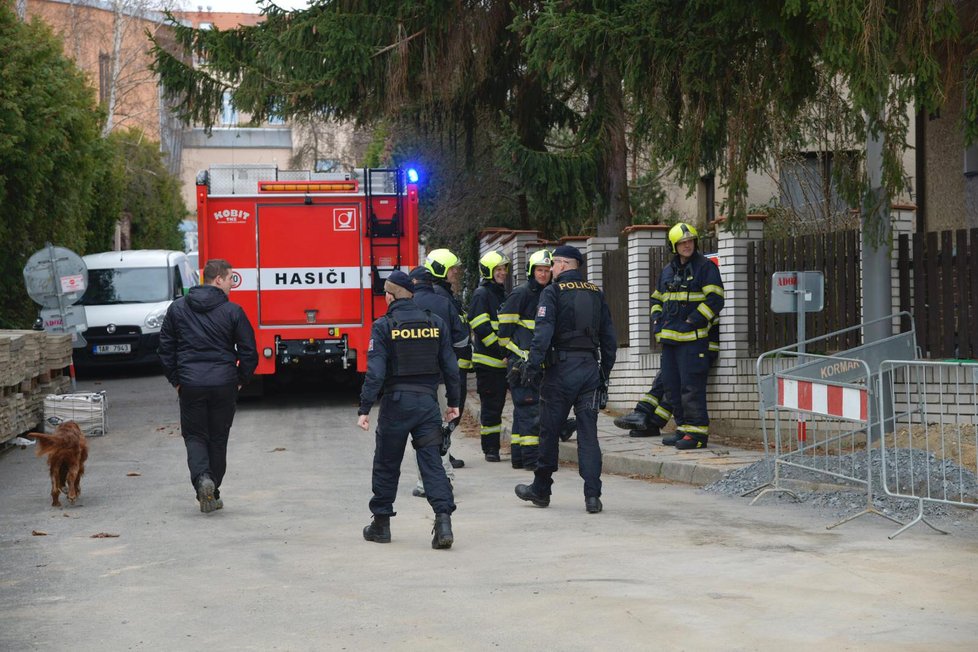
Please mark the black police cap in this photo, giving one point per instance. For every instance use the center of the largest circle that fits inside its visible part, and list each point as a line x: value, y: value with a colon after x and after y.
x: 398, y: 277
x: 567, y: 251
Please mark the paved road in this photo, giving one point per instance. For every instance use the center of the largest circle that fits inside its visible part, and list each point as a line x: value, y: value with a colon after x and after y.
x: 284, y: 567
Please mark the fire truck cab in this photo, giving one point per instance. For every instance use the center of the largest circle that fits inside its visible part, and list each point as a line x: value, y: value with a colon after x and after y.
x: 310, y: 253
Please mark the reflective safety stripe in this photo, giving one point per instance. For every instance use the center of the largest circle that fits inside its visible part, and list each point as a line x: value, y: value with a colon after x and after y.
x: 464, y: 364
x: 694, y: 430
x: 663, y: 413
x: 531, y: 440
x: 490, y: 339
x: 658, y: 295
x: 514, y: 439
x: 676, y: 336
x: 651, y: 400
x: 705, y: 310
x: 491, y: 430
x: 656, y: 308
x: 683, y: 296
x: 510, y: 346
x: 715, y: 346
x: 488, y: 361
x: 495, y: 325
x: 478, y: 320
x: 528, y: 324
x: 713, y: 289
x: 509, y: 318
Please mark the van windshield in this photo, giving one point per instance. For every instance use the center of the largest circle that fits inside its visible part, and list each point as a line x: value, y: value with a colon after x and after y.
x: 127, y: 285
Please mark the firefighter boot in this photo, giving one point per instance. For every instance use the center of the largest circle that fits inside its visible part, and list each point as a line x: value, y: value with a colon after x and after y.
x: 634, y: 420
x: 525, y: 492
x: 570, y: 427
x: 691, y: 441
x: 379, y: 530
x: 672, y: 438
x: 442, y: 530
x: 651, y: 431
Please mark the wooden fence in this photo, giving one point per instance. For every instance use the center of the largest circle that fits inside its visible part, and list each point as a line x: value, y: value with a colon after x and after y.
x: 939, y: 287
x: 836, y: 255
x: 615, y: 286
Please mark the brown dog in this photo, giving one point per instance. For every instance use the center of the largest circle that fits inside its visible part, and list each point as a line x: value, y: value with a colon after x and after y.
x: 67, y: 451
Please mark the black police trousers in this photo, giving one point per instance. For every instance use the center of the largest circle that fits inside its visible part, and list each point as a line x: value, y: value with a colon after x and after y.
x: 572, y: 383
x: 491, y: 385
x: 404, y: 413
x: 206, y: 414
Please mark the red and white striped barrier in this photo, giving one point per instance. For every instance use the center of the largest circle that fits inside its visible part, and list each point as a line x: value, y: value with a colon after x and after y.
x: 823, y: 398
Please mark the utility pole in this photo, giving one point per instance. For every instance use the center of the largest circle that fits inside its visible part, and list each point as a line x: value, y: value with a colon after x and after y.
x: 876, y: 236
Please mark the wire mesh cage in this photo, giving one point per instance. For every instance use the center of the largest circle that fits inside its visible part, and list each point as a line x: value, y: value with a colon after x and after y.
x: 87, y: 409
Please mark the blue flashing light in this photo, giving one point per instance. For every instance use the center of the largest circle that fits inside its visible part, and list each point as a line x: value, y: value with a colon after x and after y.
x: 412, y: 175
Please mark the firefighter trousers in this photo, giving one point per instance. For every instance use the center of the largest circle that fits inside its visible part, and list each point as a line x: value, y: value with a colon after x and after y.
x: 404, y: 413
x: 654, y: 402
x: 525, y: 438
x: 684, y: 370
x: 491, y: 385
x: 571, y: 383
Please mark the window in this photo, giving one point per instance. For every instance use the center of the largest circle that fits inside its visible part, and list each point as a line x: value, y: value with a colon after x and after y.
x: 229, y: 114
x: 326, y: 165
x: 126, y: 285
x: 808, y: 188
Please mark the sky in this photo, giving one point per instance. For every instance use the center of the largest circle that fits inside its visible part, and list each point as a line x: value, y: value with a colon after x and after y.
x: 241, y: 6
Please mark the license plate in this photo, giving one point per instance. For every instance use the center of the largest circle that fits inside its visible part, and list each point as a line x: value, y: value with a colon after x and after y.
x: 101, y: 349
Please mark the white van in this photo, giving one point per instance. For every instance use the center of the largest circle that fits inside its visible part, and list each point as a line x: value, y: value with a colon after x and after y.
x: 126, y: 299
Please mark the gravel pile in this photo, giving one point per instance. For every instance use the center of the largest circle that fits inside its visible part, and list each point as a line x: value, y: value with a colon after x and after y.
x: 911, y: 472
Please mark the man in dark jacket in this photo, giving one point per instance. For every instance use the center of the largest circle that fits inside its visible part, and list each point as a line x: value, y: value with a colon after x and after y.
x: 488, y: 357
x: 207, y: 347
x: 427, y: 298
x: 410, y: 353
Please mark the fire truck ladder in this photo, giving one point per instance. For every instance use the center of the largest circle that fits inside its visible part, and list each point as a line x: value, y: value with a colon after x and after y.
x: 385, y: 223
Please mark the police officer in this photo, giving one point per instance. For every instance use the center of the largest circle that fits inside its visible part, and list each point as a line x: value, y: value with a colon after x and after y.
x: 688, y: 298
x: 410, y: 352
x: 653, y: 411
x: 427, y: 298
x: 574, y: 334
x: 488, y: 357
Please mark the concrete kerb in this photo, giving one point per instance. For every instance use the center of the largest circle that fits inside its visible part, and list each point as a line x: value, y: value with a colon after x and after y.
x: 642, y: 457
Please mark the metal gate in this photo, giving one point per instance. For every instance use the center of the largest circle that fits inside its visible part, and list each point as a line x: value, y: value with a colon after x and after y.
x: 928, y: 451
x: 823, y: 410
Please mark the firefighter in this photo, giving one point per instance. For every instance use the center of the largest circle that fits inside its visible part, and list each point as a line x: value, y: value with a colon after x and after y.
x: 437, y: 303
x: 516, y: 321
x: 688, y: 298
x: 573, y: 333
x: 488, y: 357
x: 446, y: 270
x: 410, y: 353
x: 653, y: 411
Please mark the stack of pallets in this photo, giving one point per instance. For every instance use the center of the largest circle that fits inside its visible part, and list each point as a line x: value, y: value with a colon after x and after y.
x: 32, y: 365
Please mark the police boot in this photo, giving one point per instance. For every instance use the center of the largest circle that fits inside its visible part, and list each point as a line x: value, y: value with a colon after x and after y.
x: 442, y: 530
x: 570, y: 427
x: 651, y: 431
x: 456, y: 463
x: 379, y: 530
x: 634, y: 420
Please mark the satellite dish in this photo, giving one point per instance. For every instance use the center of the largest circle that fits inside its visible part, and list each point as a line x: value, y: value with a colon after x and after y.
x: 55, y: 276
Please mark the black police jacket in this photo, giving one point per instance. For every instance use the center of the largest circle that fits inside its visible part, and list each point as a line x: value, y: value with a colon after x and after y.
x: 207, y: 341
x: 381, y: 356
x: 556, y: 317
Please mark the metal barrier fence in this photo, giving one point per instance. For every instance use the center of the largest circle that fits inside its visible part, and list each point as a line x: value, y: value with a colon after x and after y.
x: 823, y: 409
x: 928, y: 451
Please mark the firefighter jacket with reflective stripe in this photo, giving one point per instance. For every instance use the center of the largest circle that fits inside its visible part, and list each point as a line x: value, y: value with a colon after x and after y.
x: 398, y: 340
x: 568, y: 307
x: 437, y: 303
x: 463, y: 353
x: 687, y: 300
x: 517, y: 317
x: 484, y: 321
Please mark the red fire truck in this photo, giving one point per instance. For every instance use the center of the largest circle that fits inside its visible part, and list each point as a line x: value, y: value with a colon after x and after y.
x: 310, y: 253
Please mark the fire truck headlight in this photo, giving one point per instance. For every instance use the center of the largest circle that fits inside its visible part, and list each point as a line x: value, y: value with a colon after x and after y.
x: 267, y: 352
x: 155, y: 319
x: 412, y: 175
